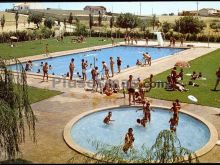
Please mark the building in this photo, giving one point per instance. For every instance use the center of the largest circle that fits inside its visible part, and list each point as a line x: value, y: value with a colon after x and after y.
x: 207, y: 12
x: 95, y: 9
x: 21, y: 6
x: 188, y: 13
x: 26, y: 6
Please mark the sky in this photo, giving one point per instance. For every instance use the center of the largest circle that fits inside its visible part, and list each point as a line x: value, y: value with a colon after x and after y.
x: 147, y: 8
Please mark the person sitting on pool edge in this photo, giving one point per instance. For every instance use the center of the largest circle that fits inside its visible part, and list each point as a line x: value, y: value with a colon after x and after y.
x: 138, y: 63
x: 107, y: 119
x: 129, y: 140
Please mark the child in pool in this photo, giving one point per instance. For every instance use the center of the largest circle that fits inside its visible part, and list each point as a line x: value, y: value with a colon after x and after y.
x: 129, y: 139
x: 108, y: 118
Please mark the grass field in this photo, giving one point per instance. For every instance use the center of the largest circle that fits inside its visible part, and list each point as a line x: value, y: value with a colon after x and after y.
x: 29, y: 48
x: 208, y: 65
x: 37, y: 94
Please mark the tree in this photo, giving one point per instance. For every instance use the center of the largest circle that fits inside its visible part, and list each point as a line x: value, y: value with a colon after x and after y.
x: 64, y: 22
x: 36, y: 19
x: 16, y: 20
x: 90, y: 23
x: 111, y: 23
x: 100, y: 19
x: 81, y: 29
x: 166, y: 26
x: 189, y: 24
x: 15, y: 109
x: 29, y: 20
x: 154, y: 21
x: 77, y: 20
x: 127, y: 20
x: 3, y: 21
x: 49, y: 22
x: 70, y: 19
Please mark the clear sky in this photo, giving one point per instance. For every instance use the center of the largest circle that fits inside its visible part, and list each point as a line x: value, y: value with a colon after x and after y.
x: 132, y: 7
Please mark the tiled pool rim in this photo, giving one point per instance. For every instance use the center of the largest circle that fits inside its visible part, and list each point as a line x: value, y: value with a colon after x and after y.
x: 76, y: 51
x: 69, y: 141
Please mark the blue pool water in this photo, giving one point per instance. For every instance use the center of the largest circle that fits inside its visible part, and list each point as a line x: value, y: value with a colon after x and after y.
x: 128, y: 54
x: 192, y: 133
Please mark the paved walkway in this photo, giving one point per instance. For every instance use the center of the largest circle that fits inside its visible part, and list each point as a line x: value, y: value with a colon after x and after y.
x: 54, y: 113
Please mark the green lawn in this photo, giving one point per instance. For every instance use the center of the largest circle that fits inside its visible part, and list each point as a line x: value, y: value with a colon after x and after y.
x: 207, y: 64
x: 37, y: 94
x: 37, y: 47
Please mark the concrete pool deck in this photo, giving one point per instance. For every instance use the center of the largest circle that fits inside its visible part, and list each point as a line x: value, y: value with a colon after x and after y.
x: 54, y: 113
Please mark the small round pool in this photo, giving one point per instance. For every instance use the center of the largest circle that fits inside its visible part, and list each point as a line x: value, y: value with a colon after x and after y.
x: 192, y: 133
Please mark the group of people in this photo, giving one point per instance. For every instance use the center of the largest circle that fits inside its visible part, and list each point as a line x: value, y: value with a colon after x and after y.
x: 129, y: 137
x: 130, y: 40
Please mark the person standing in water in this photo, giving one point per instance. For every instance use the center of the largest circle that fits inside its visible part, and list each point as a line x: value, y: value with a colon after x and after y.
x: 108, y: 118
x: 129, y: 140
x: 112, y: 66
x: 71, y: 68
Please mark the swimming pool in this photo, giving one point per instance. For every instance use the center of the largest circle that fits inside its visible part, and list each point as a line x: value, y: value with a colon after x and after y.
x: 128, y: 55
x: 192, y: 133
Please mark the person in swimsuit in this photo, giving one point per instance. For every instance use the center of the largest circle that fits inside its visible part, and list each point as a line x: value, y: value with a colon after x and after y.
x: 112, y: 66
x: 173, y: 124
x: 45, y: 71
x: 142, y: 121
x: 146, y: 39
x: 105, y: 68
x: 130, y: 89
x: 218, y: 78
x: 141, y: 88
x: 71, y: 68
x: 129, y: 140
x: 146, y: 110
x: 119, y: 64
x: 174, y: 75
x: 180, y: 75
x: 147, y: 58
x: 107, y: 119
x: 84, y: 65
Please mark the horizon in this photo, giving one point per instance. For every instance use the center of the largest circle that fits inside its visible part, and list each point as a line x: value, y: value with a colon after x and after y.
x: 147, y: 8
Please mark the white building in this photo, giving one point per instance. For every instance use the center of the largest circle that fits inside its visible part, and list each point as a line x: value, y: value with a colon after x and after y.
x: 95, y: 9
x: 26, y: 6
x: 207, y: 12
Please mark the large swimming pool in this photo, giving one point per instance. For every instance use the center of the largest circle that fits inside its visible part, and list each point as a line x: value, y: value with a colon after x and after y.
x: 192, y: 133
x: 128, y: 54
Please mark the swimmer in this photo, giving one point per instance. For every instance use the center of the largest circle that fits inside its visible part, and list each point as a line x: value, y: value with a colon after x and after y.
x: 173, y: 124
x: 142, y: 121
x: 50, y: 67
x: 108, y: 118
x: 38, y: 71
x: 42, y: 63
x: 129, y: 139
x: 138, y: 63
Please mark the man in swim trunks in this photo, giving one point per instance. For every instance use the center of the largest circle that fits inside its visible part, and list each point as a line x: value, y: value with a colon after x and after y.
x: 129, y: 140
x: 173, y: 124
x: 218, y: 78
x: 142, y: 121
x: 71, y: 68
x: 108, y: 118
x: 147, y: 58
x: 119, y: 64
x: 141, y: 88
x: 45, y: 70
x: 174, y: 75
x: 105, y: 68
x: 130, y: 89
x: 112, y: 66
x: 84, y: 65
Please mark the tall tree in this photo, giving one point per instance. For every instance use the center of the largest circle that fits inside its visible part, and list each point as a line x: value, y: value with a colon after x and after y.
x: 154, y: 21
x: 111, y: 23
x: 64, y: 22
x: 3, y: 22
x: 15, y: 109
x: 100, y: 19
x: 29, y: 20
x: 90, y: 23
x: 16, y: 20
x: 70, y: 19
